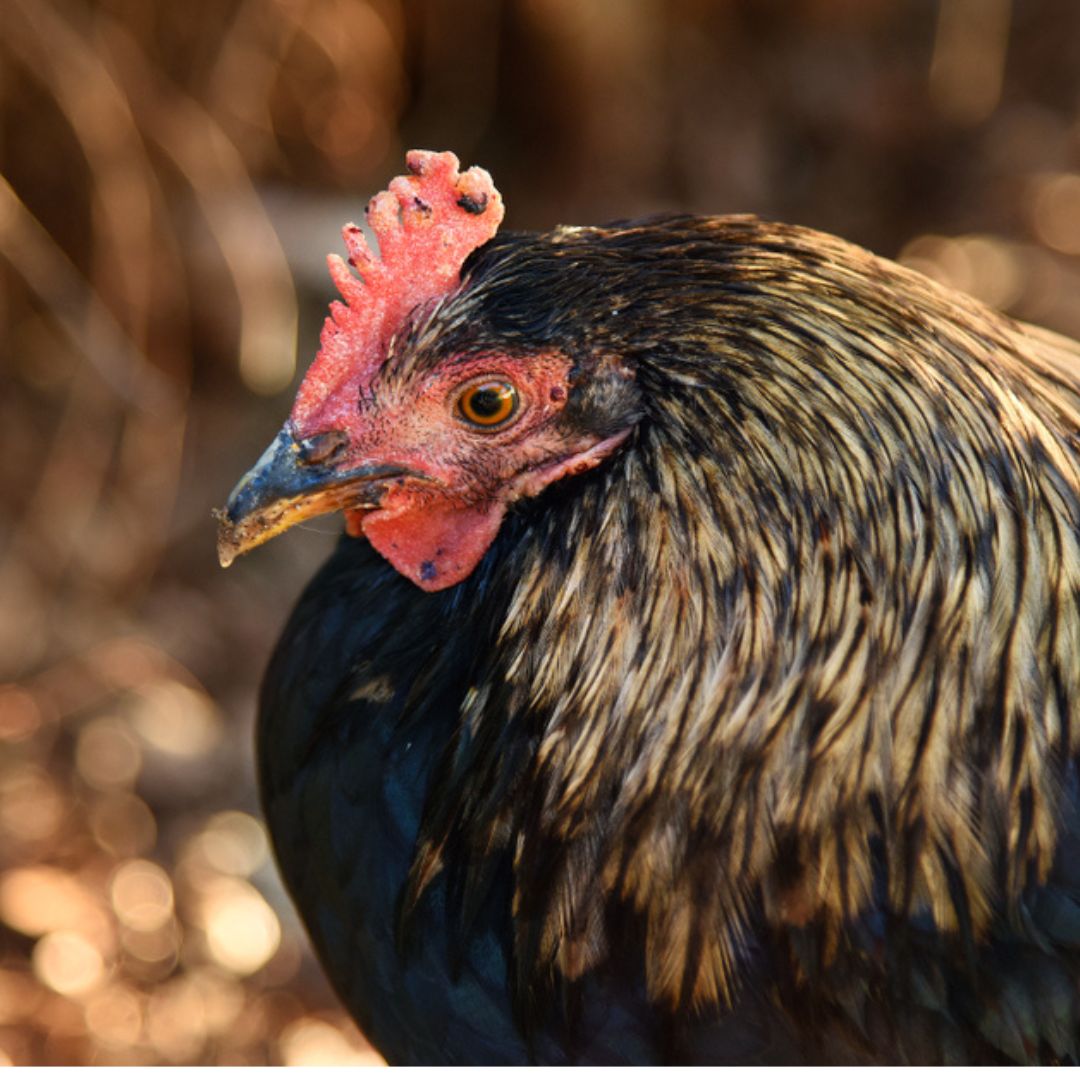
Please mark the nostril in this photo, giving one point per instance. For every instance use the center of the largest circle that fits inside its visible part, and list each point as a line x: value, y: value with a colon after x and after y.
x: 322, y: 449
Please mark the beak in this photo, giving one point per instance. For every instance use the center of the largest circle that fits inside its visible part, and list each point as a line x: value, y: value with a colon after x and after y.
x: 292, y: 482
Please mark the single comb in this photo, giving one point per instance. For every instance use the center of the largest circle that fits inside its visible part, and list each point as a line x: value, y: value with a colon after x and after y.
x: 426, y: 224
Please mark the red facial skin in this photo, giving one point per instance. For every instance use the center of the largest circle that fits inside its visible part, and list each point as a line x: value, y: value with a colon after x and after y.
x: 435, y: 529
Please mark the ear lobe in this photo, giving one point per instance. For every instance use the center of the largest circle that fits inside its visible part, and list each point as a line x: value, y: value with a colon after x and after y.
x: 436, y: 543
x: 532, y: 483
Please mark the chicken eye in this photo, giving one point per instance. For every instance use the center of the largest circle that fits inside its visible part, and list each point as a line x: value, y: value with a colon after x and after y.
x: 488, y: 403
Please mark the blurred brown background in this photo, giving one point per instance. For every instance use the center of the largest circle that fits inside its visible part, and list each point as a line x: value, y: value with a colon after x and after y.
x: 173, y: 176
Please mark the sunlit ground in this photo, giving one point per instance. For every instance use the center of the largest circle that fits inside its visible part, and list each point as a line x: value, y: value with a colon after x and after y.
x: 115, y: 957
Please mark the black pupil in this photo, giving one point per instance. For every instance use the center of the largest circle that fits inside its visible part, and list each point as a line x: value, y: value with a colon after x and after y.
x: 487, y: 401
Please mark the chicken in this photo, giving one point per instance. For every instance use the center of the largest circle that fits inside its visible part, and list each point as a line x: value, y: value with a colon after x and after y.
x: 699, y: 679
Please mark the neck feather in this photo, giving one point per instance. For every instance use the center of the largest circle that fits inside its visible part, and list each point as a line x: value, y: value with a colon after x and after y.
x: 805, y: 649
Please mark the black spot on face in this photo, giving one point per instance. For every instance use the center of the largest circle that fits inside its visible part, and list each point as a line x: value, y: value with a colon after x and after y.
x: 428, y: 571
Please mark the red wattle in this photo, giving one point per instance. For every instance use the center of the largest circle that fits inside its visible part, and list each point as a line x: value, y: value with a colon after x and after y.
x: 434, y: 544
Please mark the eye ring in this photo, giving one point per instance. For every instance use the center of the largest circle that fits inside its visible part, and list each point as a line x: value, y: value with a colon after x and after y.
x: 489, y: 403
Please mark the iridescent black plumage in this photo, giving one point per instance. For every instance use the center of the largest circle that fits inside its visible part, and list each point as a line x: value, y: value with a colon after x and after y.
x: 757, y: 741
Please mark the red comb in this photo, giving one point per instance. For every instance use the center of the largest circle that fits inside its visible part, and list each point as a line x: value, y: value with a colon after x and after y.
x: 427, y: 223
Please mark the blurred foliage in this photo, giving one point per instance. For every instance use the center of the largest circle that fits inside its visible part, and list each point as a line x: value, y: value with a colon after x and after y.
x: 172, y: 177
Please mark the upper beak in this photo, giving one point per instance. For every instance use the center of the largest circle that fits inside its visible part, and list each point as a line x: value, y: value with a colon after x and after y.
x: 293, y: 481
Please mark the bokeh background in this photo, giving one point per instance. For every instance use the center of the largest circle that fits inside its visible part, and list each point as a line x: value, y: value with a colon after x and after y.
x: 172, y: 178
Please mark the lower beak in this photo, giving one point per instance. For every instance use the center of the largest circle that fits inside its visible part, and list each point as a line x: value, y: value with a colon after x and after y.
x: 284, y: 489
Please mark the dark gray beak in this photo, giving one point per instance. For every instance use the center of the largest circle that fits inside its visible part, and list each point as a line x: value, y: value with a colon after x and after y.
x: 292, y: 482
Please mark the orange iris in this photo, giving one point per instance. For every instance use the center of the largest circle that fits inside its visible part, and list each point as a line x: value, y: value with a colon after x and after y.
x: 489, y: 403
